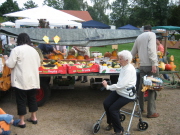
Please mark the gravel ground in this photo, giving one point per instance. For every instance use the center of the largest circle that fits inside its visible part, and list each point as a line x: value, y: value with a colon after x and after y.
x: 74, y: 112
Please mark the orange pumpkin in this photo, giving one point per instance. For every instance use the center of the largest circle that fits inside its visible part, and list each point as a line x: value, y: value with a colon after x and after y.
x: 114, y: 53
x: 107, y: 54
x: 113, y: 57
x: 79, y: 57
x: 71, y: 57
x: 56, y: 56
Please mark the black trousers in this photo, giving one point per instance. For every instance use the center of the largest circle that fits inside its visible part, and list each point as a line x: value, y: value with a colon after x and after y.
x: 112, y: 104
x: 24, y: 97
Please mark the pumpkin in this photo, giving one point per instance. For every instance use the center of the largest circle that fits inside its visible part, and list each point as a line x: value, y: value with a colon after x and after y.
x: 79, y: 57
x: 107, y: 54
x: 168, y: 67
x: 113, y: 57
x: 173, y: 66
x: 114, y: 53
x: 71, y: 57
x: 86, y: 57
x: 56, y: 56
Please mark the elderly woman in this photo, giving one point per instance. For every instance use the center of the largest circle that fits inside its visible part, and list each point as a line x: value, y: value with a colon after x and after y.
x: 119, y: 95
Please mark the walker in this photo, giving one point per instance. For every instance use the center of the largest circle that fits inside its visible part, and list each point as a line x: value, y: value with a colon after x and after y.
x: 142, y: 125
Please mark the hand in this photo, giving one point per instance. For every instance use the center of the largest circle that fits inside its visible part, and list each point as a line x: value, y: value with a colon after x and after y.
x: 104, y: 83
x: 154, y: 69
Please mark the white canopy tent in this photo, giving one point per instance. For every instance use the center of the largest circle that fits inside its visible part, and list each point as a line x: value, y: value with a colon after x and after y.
x: 55, y: 23
x: 8, y: 23
x: 44, y: 12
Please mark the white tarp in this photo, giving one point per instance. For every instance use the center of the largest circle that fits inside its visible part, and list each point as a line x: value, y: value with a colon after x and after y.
x: 43, y: 12
x: 55, y: 23
x: 8, y: 23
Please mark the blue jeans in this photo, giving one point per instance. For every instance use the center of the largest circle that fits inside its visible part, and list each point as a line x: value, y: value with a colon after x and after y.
x: 6, y: 117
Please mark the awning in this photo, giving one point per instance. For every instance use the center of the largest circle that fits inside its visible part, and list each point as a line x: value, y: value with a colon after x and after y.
x: 79, y: 37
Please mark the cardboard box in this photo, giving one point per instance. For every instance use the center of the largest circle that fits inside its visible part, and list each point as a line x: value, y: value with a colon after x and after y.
x: 105, y: 69
x: 59, y: 70
x: 74, y: 69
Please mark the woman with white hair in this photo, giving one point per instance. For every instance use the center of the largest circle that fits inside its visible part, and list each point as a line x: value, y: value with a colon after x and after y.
x: 119, y: 95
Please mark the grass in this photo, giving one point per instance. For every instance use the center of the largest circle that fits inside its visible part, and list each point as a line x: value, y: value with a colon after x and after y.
x: 129, y: 46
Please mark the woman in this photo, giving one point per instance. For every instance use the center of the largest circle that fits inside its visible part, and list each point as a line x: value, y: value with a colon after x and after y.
x: 24, y: 61
x: 119, y: 95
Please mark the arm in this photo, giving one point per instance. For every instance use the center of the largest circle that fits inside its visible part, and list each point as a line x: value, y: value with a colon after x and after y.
x: 78, y: 50
x: 134, y: 50
x: 11, y: 61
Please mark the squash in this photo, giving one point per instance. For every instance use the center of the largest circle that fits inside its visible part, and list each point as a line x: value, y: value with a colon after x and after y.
x: 173, y: 66
x: 56, y: 56
x: 171, y: 58
x: 161, y: 66
x: 71, y: 57
x: 168, y: 67
x: 114, y: 57
x: 114, y: 53
x: 79, y: 57
x: 86, y: 57
x: 107, y: 54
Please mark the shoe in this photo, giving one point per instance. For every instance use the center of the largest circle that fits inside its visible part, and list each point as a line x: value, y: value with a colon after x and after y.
x: 84, y: 81
x: 78, y: 79
x: 21, y: 126
x: 33, y: 121
x: 155, y: 115
x: 109, y: 127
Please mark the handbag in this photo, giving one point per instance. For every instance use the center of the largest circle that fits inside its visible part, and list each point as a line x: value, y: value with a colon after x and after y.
x: 5, y: 79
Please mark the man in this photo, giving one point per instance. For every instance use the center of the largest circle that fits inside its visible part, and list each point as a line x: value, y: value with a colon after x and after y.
x: 145, y: 47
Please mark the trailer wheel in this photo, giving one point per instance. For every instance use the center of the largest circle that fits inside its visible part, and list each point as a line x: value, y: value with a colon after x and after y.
x: 43, y: 94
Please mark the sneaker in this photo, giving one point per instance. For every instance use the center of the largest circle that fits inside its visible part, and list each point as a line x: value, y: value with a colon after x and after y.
x: 155, y: 115
x: 109, y: 127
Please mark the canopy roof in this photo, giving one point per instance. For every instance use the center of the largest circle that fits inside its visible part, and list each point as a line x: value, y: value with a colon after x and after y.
x: 82, y: 37
x: 94, y: 24
x: 43, y: 12
x: 167, y: 27
x: 129, y: 27
x: 35, y: 22
x: 8, y: 23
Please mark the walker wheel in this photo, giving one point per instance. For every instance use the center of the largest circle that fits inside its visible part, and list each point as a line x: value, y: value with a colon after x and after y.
x: 96, y: 128
x: 142, y: 126
x: 122, y: 117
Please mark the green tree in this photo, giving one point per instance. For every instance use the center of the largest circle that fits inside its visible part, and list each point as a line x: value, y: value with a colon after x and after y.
x: 30, y: 4
x: 9, y: 6
x: 174, y: 18
x: 75, y: 5
x: 57, y: 4
x: 120, y: 11
x: 100, y: 7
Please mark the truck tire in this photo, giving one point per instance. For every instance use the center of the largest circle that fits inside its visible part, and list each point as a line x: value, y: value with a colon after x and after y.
x: 43, y: 94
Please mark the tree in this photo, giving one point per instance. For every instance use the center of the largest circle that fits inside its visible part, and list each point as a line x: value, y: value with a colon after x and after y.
x: 9, y: 6
x: 75, y: 5
x: 57, y: 4
x: 100, y: 7
x: 120, y: 11
x: 174, y: 18
x: 30, y: 4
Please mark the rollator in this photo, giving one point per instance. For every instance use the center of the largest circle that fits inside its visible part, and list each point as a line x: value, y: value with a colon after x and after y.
x: 142, y: 125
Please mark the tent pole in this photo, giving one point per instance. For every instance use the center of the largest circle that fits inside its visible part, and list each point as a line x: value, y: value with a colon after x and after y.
x: 165, y: 47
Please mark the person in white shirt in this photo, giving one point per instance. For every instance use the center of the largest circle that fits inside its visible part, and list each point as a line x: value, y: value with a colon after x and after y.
x: 5, y: 40
x: 119, y: 95
x: 24, y: 62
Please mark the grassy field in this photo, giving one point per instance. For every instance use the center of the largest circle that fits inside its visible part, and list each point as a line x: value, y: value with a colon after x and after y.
x: 128, y: 46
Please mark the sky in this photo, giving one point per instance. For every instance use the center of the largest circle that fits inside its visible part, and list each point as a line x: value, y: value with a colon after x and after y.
x: 39, y: 2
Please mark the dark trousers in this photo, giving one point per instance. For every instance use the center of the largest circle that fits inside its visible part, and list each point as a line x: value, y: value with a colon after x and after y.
x: 24, y: 97
x: 151, y: 106
x: 112, y: 104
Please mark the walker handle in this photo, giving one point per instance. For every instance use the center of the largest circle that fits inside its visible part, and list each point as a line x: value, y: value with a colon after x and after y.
x: 133, y: 91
